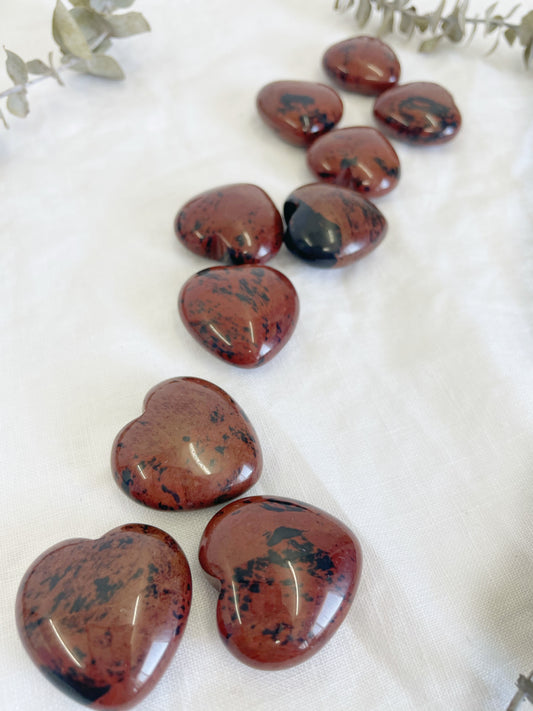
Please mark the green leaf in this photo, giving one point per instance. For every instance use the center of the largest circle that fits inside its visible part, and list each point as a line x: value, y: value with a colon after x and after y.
x: 130, y: 23
x: 16, y: 68
x: 100, y: 65
x: 429, y: 45
x: 17, y: 104
x: 35, y: 66
x: 90, y: 23
x: 53, y: 71
x: 364, y: 10
x: 525, y: 31
x: 103, y: 46
x: 67, y: 34
x: 510, y: 35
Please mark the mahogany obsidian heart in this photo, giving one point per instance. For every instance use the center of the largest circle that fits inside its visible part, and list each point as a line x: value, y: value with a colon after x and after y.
x: 365, y: 65
x: 243, y: 314
x: 359, y: 158
x: 331, y: 226
x: 237, y: 224
x: 192, y: 447
x: 299, y: 111
x: 287, y: 573
x: 422, y: 113
x: 102, y: 618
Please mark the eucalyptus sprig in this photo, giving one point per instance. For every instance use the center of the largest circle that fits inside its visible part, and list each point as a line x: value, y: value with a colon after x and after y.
x: 454, y: 25
x: 84, y: 34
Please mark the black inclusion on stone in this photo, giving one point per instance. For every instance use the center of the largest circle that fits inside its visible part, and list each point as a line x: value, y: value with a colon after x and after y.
x: 79, y: 688
x: 310, y: 236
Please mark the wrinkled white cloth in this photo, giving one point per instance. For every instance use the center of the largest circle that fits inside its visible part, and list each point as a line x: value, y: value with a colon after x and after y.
x: 403, y: 404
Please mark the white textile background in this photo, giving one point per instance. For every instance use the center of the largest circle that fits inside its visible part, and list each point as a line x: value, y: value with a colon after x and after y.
x: 403, y: 404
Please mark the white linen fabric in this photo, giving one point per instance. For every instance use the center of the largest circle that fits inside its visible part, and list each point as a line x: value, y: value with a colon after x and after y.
x: 403, y: 404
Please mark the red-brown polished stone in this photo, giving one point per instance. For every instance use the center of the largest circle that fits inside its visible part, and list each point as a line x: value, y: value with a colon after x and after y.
x: 365, y: 65
x: 243, y: 314
x: 331, y: 226
x: 359, y: 158
x: 192, y: 447
x: 287, y: 573
x: 102, y: 618
x: 299, y: 111
x: 236, y: 224
x: 421, y: 113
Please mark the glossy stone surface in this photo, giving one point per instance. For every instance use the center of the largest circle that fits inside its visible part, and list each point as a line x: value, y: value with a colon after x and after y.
x: 235, y: 224
x: 102, y: 618
x: 359, y: 158
x: 192, y: 447
x: 287, y: 573
x: 330, y: 226
x: 421, y: 113
x: 299, y: 111
x: 243, y: 314
x: 363, y: 64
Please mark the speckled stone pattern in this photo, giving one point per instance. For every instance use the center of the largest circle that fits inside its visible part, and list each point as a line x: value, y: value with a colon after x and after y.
x: 299, y: 111
x: 365, y: 65
x: 102, y: 618
x: 192, y: 447
x: 235, y: 224
x: 243, y: 314
x: 359, y: 158
x: 420, y: 113
x: 287, y: 574
x: 330, y: 226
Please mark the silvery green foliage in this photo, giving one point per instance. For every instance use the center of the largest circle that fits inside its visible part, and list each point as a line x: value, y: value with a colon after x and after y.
x: 83, y: 34
x: 454, y: 26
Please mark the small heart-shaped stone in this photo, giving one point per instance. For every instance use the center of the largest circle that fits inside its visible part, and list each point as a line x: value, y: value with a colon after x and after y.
x: 422, y: 113
x: 192, y: 447
x: 299, y: 111
x: 330, y: 226
x: 359, y: 158
x: 237, y: 224
x: 287, y: 573
x: 244, y: 314
x: 102, y: 618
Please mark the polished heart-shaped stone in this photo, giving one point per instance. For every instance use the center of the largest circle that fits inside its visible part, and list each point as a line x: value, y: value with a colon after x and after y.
x: 192, y: 447
x: 102, y: 618
x: 236, y: 224
x: 330, y: 226
x: 287, y: 573
x: 299, y: 111
x: 365, y: 65
x: 359, y: 158
x: 421, y: 113
x: 243, y: 314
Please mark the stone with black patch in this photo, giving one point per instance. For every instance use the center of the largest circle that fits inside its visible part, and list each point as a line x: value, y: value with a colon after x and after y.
x: 299, y: 111
x: 103, y: 618
x: 286, y: 572
x: 195, y: 448
x: 331, y: 226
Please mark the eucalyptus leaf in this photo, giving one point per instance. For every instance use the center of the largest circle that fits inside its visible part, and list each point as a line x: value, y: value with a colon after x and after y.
x: 494, y: 47
x: 527, y: 53
x: 130, y: 23
x: 16, y: 68
x: 429, y: 45
x: 473, y: 31
x: 435, y: 17
x: 422, y: 23
x: 80, y: 3
x: 67, y: 33
x: 387, y: 22
x: 35, y: 66
x: 100, y: 65
x: 108, y: 6
x: 510, y: 35
x: 103, y: 46
x: 91, y: 24
x: 490, y: 10
x: 495, y: 22
x: 364, y: 10
x: 17, y: 104
x: 3, y: 120
x: 525, y: 30
x: 407, y: 24
x: 512, y: 12
x: 53, y: 71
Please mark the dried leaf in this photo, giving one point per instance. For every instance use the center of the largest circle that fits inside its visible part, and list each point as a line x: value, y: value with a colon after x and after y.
x: 53, y: 69
x: 461, y: 16
x: 494, y: 24
x: 90, y: 23
x: 512, y: 12
x: 429, y: 45
x: 422, y: 23
x: 450, y: 28
x: 527, y: 54
x: 130, y: 23
x: 35, y: 66
x: 363, y: 13
x: 407, y: 24
x: 80, y: 3
x: 525, y: 31
x: 100, y: 65
x: 3, y: 119
x: 436, y: 16
x: 494, y: 47
x: 67, y: 34
x: 490, y: 10
x: 474, y: 30
x: 510, y: 35
x: 17, y: 104
x: 108, y: 6
x: 16, y: 68
x: 103, y: 46
x: 387, y: 23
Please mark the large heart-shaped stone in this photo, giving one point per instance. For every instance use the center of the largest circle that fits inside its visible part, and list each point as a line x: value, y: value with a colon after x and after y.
x: 192, y: 447
x: 287, y: 573
x: 102, y: 618
x: 243, y: 314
